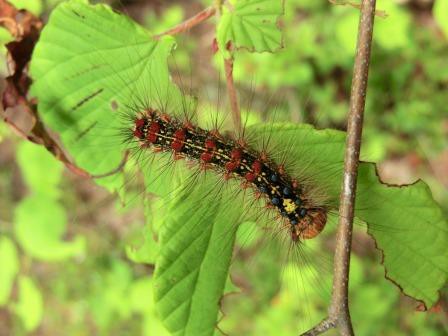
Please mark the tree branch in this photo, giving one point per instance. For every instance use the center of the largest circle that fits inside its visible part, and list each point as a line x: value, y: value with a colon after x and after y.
x: 339, y: 314
x: 190, y: 23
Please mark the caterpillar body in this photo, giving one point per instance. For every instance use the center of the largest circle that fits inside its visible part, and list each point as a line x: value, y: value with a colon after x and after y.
x: 234, y: 159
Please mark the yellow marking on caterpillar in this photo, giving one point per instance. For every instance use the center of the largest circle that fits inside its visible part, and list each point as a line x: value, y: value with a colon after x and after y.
x: 289, y: 205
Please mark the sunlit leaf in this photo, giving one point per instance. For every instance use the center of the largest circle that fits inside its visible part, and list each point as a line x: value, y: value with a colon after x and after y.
x: 9, y: 262
x: 390, y: 32
x: 440, y: 11
x: 5, y: 37
x: 111, y: 298
x: 34, y: 6
x: 41, y: 171
x: 251, y: 24
x: 30, y: 305
x: 39, y: 226
x: 192, y: 268
x: 143, y: 288
x: 394, y: 30
x: 97, y: 61
x: 346, y: 31
x: 144, y: 249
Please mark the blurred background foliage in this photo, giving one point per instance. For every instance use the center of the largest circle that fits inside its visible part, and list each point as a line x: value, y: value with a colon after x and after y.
x: 69, y: 256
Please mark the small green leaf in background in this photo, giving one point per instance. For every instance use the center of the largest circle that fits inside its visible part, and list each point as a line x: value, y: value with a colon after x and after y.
x: 171, y: 17
x: 345, y: 33
x: 29, y: 306
x: 39, y: 226
x: 440, y: 12
x: 39, y: 219
x: 394, y: 30
x: 40, y: 170
x: 389, y: 32
x: 9, y: 262
x: 143, y: 249
x: 5, y: 37
x: 251, y: 24
x: 112, y: 296
x: 34, y: 6
x: 143, y: 288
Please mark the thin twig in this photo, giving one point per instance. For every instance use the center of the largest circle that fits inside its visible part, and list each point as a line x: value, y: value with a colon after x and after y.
x: 12, y: 26
x: 321, y: 327
x: 380, y: 13
x: 228, y: 68
x: 231, y: 91
x: 190, y: 23
x: 17, y: 130
x: 339, y: 312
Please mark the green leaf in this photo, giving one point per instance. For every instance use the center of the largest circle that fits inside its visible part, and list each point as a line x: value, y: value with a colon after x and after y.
x: 97, y: 61
x: 111, y: 299
x: 195, y: 254
x: 159, y: 22
x: 9, y: 269
x: 143, y: 288
x: 390, y: 32
x: 410, y: 229
x: 394, y: 30
x: 30, y: 304
x: 34, y: 6
x: 5, y: 37
x: 440, y: 12
x: 39, y: 225
x: 251, y: 24
x: 346, y: 27
x: 41, y: 171
x: 405, y: 221
x: 143, y: 250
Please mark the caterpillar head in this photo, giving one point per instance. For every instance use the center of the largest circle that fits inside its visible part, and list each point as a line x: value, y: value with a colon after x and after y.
x: 312, y: 223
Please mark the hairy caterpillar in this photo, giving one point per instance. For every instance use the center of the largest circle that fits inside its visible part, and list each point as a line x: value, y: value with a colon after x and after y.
x: 86, y: 114
x: 212, y: 150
